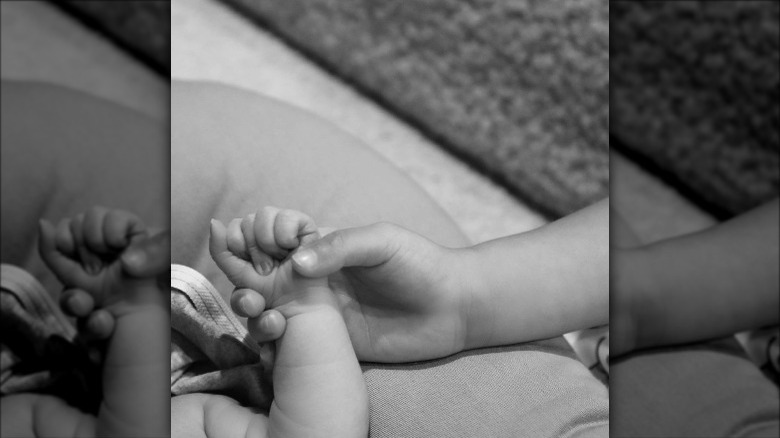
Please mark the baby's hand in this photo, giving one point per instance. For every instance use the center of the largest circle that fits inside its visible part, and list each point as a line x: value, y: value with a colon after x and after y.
x: 254, y: 253
x: 84, y: 253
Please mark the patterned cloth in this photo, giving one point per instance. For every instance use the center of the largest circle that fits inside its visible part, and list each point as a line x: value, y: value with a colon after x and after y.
x: 211, y: 351
x: 39, y: 350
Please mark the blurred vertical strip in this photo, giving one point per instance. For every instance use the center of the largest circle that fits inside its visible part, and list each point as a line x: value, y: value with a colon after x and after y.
x: 142, y: 28
x: 695, y: 97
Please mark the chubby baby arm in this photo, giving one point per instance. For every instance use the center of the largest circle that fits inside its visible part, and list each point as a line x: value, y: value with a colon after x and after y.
x: 318, y: 384
x: 84, y: 253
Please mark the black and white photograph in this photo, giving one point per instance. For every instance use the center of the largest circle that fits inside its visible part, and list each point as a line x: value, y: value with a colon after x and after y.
x: 695, y: 170
x: 85, y: 220
x: 389, y: 218
x: 393, y: 218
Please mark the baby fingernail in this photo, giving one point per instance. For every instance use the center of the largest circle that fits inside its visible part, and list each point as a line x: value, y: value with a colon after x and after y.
x: 244, y: 303
x: 265, y: 267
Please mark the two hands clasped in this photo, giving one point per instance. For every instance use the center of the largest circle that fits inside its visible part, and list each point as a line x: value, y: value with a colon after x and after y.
x: 327, y: 298
x: 377, y: 293
x: 394, y: 289
x: 112, y: 268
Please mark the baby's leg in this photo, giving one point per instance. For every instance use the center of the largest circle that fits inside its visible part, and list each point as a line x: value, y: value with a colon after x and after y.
x: 234, y: 151
x: 136, y: 373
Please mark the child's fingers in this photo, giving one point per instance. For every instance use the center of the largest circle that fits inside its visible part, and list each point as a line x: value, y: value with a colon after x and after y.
x: 92, y: 229
x: 120, y: 228
x: 148, y: 257
x: 240, y: 272
x: 90, y: 262
x: 47, y: 239
x: 269, y: 326
x: 235, y: 240
x: 365, y: 246
x: 218, y: 248
x: 290, y: 227
x: 247, y: 303
x: 64, y: 238
x: 76, y: 302
x: 261, y: 259
x: 68, y: 270
x: 264, y: 232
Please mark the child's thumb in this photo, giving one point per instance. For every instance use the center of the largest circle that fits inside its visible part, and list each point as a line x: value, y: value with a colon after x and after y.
x: 363, y: 246
x: 148, y: 257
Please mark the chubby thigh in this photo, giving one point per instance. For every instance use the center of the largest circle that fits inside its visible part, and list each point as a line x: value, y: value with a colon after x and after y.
x: 232, y: 152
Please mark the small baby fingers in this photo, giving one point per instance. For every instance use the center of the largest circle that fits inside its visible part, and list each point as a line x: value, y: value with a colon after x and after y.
x: 291, y: 227
x: 260, y: 258
x: 280, y: 231
x: 120, y: 228
x: 247, y: 303
x: 264, y: 232
x: 106, y: 231
x: 65, y: 266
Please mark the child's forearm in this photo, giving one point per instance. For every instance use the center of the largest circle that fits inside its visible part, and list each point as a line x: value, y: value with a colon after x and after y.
x: 137, y: 371
x: 542, y: 283
x: 318, y: 385
x: 703, y: 285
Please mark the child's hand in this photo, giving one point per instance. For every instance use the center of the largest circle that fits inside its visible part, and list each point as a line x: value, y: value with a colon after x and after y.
x: 404, y: 298
x: 318, y: 385
x: 84, y: 253
x: 149, y: 257
x: 254, y: 253
x: 401, y: 295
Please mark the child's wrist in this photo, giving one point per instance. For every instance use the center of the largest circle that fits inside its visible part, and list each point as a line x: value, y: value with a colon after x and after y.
x: 464, y: 283
x: 630, y: 297
x: 311, y: 337
x: 136, y: 296
x: 314, y: 300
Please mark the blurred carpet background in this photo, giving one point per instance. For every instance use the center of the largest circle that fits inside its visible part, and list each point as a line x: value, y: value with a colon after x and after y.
x: 517, y: 89
x: 695, y: 96
x: 142, y: 27
x: 242, y: 54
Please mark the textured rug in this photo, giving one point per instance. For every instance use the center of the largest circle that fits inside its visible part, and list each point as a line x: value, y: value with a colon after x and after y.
x: 517, y: 89
x: 695, y: 96
x: 142, y: 27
